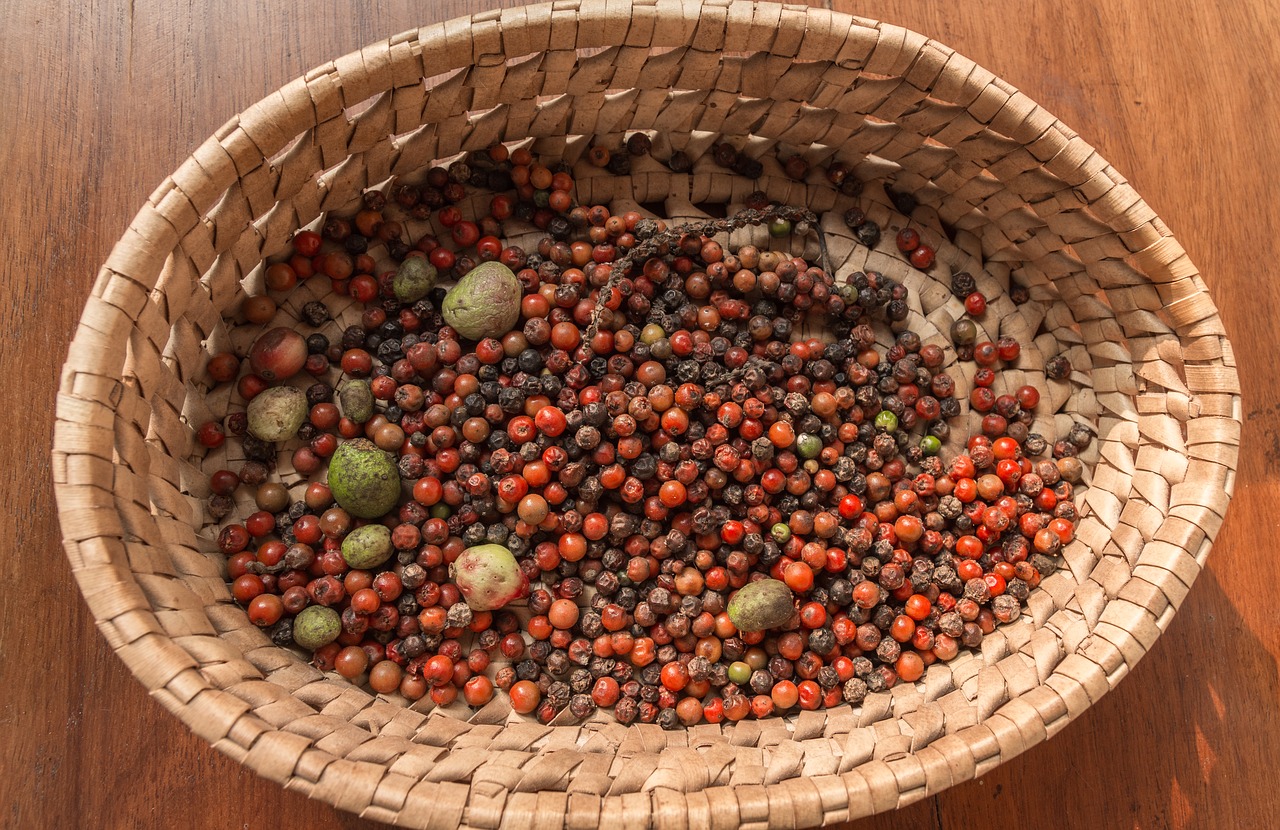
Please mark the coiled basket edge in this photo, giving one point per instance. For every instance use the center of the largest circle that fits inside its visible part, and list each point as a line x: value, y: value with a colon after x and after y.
x: 1021, y: 188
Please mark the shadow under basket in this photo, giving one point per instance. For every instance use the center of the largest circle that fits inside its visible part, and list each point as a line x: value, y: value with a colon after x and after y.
x: 1005, y: 191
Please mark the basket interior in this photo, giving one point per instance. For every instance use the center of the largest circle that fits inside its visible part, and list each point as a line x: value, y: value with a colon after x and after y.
x: 1006, y: 192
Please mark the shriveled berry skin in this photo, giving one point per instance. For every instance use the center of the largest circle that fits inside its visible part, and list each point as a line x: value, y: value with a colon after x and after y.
x: 364, y: 480
x: 760, y: 605
x: 488, y: 577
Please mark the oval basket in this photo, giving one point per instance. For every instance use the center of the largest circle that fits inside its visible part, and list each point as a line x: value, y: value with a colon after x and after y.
x: 1005, y: 190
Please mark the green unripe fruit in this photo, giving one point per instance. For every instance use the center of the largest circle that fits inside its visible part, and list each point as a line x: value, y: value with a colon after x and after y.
x: 316, y: 626
x: 484, y: 303
x: 886, y: 421
x: 276, y: 413
x: 356, y: 400
x: 651, y: 333
x: 760, y: 605
x: 367, y: 547
x: 363, y: 479
x: 964, y: 332
x: 930, y: 445
x: 808, y: 446
x: 414, y: 279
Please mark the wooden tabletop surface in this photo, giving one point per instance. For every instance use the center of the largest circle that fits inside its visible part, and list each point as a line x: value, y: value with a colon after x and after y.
x: 101, y: 101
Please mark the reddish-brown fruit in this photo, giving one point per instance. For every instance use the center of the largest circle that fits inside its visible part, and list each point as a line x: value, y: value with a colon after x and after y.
x: 279, y: 354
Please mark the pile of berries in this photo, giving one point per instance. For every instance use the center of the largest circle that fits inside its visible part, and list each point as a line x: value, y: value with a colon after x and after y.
x: 651, y: 436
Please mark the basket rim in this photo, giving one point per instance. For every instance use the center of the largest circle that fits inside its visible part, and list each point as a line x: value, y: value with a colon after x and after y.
x: 95, y: 377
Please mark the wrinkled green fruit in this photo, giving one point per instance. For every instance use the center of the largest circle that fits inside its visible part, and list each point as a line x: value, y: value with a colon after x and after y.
x: 484, y: 303
x: 367, y: 547
x: 414, y: 279
x: 488, y: 577
x: 760, y: 605
x: 276, y: 413
x: 316, y: 626
x: 356, y: 400
x: 363, y: 479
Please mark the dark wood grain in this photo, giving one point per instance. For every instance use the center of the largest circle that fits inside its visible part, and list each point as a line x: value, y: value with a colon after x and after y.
x: 102, y: 101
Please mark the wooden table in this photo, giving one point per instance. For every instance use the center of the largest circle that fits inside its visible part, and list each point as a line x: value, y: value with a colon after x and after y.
x: 101, y: 101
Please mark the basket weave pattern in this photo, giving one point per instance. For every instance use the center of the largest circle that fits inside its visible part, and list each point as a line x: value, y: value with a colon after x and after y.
x: 1022, y: 196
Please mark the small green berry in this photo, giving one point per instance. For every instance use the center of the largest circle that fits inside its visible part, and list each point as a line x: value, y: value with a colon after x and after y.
x: 651, y: 334
x: 808, y: 446
x: 964, y: 332
x: 886, y: 421
x: 930, y: 445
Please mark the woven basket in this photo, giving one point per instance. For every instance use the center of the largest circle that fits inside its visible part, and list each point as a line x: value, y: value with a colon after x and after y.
x: 1019, y: 196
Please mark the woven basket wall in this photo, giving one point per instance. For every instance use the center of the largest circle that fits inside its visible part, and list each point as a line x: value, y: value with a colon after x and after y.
x: 1022, y: 198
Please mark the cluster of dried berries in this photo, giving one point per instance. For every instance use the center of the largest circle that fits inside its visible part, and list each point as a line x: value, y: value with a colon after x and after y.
x: 651, y: 436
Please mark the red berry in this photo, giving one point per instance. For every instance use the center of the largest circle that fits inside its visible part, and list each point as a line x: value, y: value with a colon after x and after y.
x: 489, y: 248
x: 551, y: 421
x: 975, y: 304
x: 307, y: 243
x: 850, y: 507
x: 922, y: 257
x: 211, y: 435
x: 442, y: 258
x: 982, y: 399
x: 732, y: 532
x: 465, y: 234
x: 985, y: 353
x: 224, y: 367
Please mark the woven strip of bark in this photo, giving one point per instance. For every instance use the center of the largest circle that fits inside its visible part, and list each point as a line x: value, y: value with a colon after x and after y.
x: 1020, y: 197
